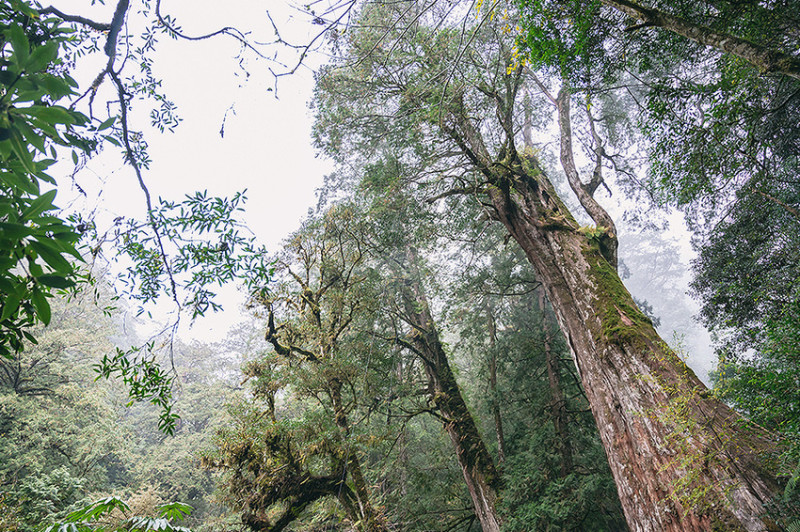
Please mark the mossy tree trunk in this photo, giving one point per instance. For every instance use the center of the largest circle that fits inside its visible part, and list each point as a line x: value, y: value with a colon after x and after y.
x: 476, y: 463
x: 681, y: 459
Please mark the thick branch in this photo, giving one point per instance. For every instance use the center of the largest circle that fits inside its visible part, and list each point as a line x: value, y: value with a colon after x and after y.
x: 761, y: 57
x: 116, y: 24
x: 598, y: 214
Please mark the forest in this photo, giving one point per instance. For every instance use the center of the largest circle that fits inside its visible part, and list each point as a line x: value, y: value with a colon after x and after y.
x: 551, y: 280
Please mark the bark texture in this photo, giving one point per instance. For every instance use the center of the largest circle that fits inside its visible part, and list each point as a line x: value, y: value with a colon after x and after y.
x: 476, y: 464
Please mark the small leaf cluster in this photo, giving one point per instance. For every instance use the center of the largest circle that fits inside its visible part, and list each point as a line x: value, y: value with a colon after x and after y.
x: 207, y: 248
x: 144, y: 379
x: 89, y: 518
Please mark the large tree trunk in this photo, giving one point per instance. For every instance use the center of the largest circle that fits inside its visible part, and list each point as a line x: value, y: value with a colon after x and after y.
x: 681, y: 459
x: 476, y: 464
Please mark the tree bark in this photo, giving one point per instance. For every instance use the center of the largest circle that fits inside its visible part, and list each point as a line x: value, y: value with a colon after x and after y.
x: 476, y: 463
x: 764, y: 59
x: 668, y: 442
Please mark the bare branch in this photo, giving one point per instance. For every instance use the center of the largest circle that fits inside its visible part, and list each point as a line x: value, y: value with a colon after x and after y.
x: 99, y: 26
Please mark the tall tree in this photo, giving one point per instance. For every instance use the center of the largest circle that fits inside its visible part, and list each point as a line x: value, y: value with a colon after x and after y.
x: 476, y: 463
x: 716, y: 98
x: 436, y: 83
x: 323, y: 292
x: 398, y: 227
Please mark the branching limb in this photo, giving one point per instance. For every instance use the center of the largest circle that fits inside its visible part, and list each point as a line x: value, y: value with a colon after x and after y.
x: 98, y: 26
x: 598, y: 214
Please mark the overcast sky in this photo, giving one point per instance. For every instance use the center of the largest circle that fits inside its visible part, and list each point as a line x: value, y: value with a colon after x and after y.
x: 266, y: 148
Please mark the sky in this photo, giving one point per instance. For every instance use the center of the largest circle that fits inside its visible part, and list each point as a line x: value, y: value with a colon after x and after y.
x: 266, y: 148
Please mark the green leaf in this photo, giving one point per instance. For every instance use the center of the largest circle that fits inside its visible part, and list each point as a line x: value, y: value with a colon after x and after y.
x: 20, y: 148
x: 40, y: 303
x: 55, y: 114
x: 20, y: 44
x: 52, y: 258
x: 39, y: 205
x: 55, y: 281
x: 112, y: 140
x: 14, y: 231
x: 34, y: 139
x: 107, y: 124
x: 31, y: 338
x: 19, y: 180
x: 42, y: 56
x: 174, y: 510
x: 97, y: 509
x: 10, y: 305
x: 8, y: 77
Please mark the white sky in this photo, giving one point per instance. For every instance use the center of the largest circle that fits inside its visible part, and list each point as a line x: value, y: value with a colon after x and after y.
x: 266, y: 148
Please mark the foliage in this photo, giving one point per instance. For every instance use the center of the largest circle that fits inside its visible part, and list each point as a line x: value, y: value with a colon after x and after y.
x: 765, y: 388
x: 182, y: 248
x: 278, y: 460
x: 33, y: 241
x: 66, y: 438
x: 57, y: 434
x: 723, y: 145
x: 209, y: 249
x: 89, y: 518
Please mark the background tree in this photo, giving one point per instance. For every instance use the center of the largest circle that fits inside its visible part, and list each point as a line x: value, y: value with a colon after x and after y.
x: 292, y: 461
x: 67, y: 438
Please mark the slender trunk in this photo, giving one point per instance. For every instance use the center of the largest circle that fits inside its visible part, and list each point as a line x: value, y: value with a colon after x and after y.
x: 681, y: 460
x: 476, y: 464
x: 558, y: 405
x: 498, y: 420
